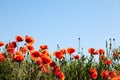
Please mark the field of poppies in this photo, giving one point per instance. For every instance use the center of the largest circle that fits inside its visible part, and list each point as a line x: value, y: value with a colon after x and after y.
x: 19, y: 60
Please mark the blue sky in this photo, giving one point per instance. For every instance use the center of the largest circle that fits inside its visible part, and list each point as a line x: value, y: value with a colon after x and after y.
x: 61, y: 22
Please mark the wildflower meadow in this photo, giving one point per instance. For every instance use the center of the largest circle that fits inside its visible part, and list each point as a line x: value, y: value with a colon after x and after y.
x: 19, y: 60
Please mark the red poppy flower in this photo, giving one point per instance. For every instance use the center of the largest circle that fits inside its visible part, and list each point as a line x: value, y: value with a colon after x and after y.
x: 56, y: 70
x: 11, y: 45
x: 43, y: 47
x: 46, y: 52
x: 58, y: 54
x: 93, y: 73
x: 10, y: 51
x: 19, y: 38
x: 35, y: 54
x: 30, y: 47
x: 112, y: 74
x: 61, y: 75
x: 45, y: 59
x: 91, y: 50
x: 52, y: 64
x: 70, y: 50
x: 76, y: 57
x: 105, y: 74
x: 1, y: 44
x: 2, y: 57
x: 108, y: 62
x: 29, y: 39
x: 102, y: 58
x: 101, y: 51
x: 38, y: 61
x: 18, y: 58
x: 23, y: 50
x: 63, y: 51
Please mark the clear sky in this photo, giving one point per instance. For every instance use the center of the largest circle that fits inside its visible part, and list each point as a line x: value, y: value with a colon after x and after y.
x: 61, y: 22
